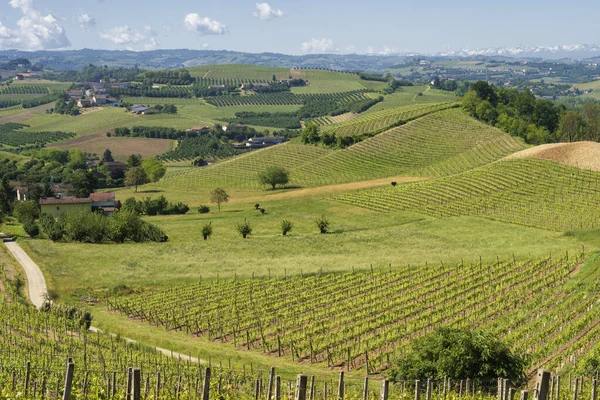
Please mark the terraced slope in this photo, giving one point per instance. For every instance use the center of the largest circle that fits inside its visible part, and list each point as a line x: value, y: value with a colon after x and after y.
x: 379, y: 121
x: 443, y: 143
x: 335, y: 319
x: 529, y: 192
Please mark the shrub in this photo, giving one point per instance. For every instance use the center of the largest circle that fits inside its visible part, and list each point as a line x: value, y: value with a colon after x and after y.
x: 149, y: 233
x: 31, y: 228
x: 122, y: 225
x: 394, y: 183
x: 56, y: 233
x: 322, y: 223
x: 458, y: 354
x: 26, y: 210
x: 47, y: 223
x: 207, y: 230
x: 203, y: 209
x: 244, y: 228
x: 286, y: 227
x: 177, y: 209
x: 256, y: 206
x: 263, y: 211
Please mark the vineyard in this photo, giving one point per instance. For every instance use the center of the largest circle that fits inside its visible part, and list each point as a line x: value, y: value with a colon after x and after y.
x: 285, y: 98
x: 528, y: 192
x: 239, y: 71
x: 442, y: 143
x: 363, y: 319
x: 24, y: 90
x: 10, y: 135
x: 379, y: 121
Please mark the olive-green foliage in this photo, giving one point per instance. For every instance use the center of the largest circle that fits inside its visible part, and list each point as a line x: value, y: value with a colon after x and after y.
x: 204, y: 209
x: 31, y: 228
x: 122, y: 225
x: 322, y: 223
x: 154, y: 169
x: 244, y: 228
x: 26, y: 210
x: 458, y: 354
x: 286, y: 227
x: 83, y: 226
x: 274, y: 175
x: 207, y: 230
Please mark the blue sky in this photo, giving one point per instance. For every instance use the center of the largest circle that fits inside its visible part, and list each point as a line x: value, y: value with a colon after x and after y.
x: 295, y: 26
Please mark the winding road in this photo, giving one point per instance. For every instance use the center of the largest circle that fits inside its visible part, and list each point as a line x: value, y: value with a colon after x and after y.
x: 37, y: 289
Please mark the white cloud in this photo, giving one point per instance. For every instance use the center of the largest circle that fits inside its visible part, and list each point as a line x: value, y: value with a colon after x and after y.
x: 34, y: 31
x: 86, y: 21
x: 370, y: 50
x: 387, y: 51
x: 317, y: 46
x: 129, y: 37
x: 205, y: 45
x: 204, y: 26
x: 266, y: 12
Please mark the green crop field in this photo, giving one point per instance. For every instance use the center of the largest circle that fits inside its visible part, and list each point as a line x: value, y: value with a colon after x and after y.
x: 439, y: 144
x: 528, y: 192
x: 409, y: 96
x: 351, y: 319
x: 6, y: 112
x: 321, y: 81
x: 378, y: 121
x: 239, y: 71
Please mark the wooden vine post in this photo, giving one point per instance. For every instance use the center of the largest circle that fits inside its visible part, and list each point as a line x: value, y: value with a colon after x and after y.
x: 68, y: 380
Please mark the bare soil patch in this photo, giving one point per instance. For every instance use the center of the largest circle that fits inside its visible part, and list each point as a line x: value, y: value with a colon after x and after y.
x: 120, y: 147
x: 343, y: 117
x: 584, y: 155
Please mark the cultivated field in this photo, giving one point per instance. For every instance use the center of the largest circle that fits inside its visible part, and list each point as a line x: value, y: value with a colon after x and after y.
x: 439, y: 144
x: 120, y: 147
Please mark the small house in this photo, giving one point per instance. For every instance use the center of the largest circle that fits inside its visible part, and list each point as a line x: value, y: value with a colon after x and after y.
x: 57, y: 206
x: 104, y: 201
x: 264, y: 141
x: 99, y: 99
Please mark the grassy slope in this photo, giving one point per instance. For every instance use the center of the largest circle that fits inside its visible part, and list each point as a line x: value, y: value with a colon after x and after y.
x: 594, y: 85
x: 420, y: 148
x: 239, y: 71
x: 409, y: 96
x: 525, y: 191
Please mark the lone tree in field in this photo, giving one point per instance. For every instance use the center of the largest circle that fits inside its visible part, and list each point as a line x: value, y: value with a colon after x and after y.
x: 459, y: 354
x: 323, y: 224
x: 219, y: 196
x: 274, y: 176
x: 244, y: 229
x: 136, y: 176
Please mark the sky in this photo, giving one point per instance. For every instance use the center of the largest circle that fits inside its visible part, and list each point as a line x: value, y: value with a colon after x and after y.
x: 296, y: 26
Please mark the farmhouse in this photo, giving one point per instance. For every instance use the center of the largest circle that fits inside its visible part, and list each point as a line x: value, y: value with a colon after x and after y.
x: 250, y: 86
x: 263, y: 141
x: 99, y: 99
x: 216, y: 87
x: 56, y: 206
x: 199, y: 129
x: 139, y: 109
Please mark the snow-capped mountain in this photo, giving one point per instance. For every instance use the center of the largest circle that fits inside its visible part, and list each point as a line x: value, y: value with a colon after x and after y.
x: 546, y: 52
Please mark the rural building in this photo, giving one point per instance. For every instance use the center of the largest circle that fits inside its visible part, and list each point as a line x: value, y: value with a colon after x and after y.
x: 250, y: 86
x: 264, y: 141
x: 99, y: 99
x: 82, y: 103
x: 139, y: 109
x: 199, y: 129
x: 56, y: 206
x: 75, y: 93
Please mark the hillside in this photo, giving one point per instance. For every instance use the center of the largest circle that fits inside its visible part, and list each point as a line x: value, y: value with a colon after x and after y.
x: 530, y: 192
x: 583, y: 155
x: 438, y: 144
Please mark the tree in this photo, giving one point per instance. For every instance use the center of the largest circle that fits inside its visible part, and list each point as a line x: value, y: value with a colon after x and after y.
x: 107, y: 156
x: 310, y: 134
x: 591, y: 115
x: 244, y: 228
x: 219, y: 196
x: 207, y: 230
x: 134, y: 160
x: 322, y: 223
x: 274, y: 175
x: 154, y: 169
x: 83, y: 183
x: 286, y: 227
x: 26, y: 211
x: 136, y: 176
x: 458, y: 354
x: 571, y: 126
x: 76, y: 159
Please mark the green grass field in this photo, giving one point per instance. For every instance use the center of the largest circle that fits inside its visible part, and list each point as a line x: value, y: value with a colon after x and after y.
x: 439, y: 144
x: 108, y: 118
x: 594, y: 85
x: 321, y: 81
x: 409, y: 96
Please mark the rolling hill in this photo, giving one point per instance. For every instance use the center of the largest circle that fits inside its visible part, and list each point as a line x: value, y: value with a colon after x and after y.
x: 442, y: 143
x: 529, y: 192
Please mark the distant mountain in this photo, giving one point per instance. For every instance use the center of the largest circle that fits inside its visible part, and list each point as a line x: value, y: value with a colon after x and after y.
x: 578, y: 51
x: 178, y: 58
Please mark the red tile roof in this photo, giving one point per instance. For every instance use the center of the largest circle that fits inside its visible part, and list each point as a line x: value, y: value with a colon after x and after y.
x: 102, y: 197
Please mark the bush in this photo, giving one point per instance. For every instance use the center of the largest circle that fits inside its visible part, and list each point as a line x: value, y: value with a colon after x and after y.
x: 157, y: 206
x: 286, y: 227
x: 204, y: 209
x: 244, y: 228
x: 31, y: 228
x: 177, y: 209
x: 274, y: 175
x: 322, y: 223
x: 84, y: 226
x: 26, y: 210
x: 52, y: 229
x: 459, y: 354
x: 122, y: 225
x: 207, y: 230
x: 149, y: 233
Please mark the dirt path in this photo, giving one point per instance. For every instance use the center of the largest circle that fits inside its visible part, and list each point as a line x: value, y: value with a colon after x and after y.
x: 37, y: 289
x: 206, y: 74
x: 322, y: 190
x: 36, y: 284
